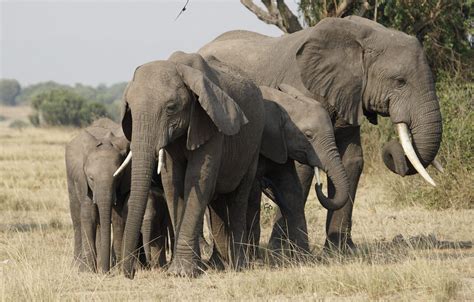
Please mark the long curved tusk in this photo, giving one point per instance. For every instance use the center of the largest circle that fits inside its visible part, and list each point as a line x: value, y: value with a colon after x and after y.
x: 160, y: 161
x: 124, y: 164
x: 316, y: 172
x: 404, y: 135
x: 437, y: 165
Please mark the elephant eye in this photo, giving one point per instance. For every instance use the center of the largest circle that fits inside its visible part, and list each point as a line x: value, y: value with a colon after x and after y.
x: 308, y: 134
x: 401, y: 82
x: 171, y: 108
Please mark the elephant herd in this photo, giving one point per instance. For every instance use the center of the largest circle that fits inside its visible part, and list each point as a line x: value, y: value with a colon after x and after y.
x: 246, y: 114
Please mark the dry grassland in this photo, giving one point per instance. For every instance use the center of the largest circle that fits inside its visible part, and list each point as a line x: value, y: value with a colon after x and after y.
x: 36, y: 245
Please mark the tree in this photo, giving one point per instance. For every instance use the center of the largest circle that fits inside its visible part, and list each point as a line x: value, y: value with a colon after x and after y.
x: 440, y: 25
x: 61, y: 107
x: 9, y: 90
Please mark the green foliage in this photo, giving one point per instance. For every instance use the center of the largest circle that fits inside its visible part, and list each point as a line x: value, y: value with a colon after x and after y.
x: 64, y: 107
x: 29, y: 92
x: 109, y: 96
x: 9, y: 90
x: 440, y: 25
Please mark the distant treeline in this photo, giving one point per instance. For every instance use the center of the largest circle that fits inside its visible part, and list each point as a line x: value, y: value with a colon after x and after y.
x: 59, y: 104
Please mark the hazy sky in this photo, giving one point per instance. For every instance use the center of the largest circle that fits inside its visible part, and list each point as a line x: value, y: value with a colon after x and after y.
x: 102, y: 41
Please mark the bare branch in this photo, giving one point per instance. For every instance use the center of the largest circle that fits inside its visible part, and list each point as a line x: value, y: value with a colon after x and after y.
x: 289, y: 20
x: 260, y: 13
x: 279, y: 15
x: 341, y: 9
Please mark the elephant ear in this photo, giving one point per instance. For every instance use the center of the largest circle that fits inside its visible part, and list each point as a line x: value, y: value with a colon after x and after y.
x: 331, y: 64
x: 119, y: 142
x: 126, y: 116
x: 214, y: 111
x: 273, y: 144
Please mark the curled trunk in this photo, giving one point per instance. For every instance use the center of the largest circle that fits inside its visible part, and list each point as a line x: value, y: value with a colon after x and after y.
x: 425, y: 126
x: 331, y: 164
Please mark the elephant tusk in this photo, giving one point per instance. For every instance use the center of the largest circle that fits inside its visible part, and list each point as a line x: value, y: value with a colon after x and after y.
x: 124, y: 164
x: 160, y: 161
x: 316, y: 172
x: 437, y: 165
x: 404, y: 135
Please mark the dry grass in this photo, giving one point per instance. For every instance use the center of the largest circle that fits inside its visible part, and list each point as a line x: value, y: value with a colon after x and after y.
x: 36, y: 246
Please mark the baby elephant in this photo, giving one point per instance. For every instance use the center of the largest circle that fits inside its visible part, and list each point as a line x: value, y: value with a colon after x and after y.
x: 97, y: 198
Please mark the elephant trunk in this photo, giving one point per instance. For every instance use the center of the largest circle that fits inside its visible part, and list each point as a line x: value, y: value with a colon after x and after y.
x: 425, y: 126
x: 104, y: 206
x: 143, y: 148
x: 331, y: 163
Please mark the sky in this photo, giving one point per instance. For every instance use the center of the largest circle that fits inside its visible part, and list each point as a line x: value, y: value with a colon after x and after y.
x: 102, y: 41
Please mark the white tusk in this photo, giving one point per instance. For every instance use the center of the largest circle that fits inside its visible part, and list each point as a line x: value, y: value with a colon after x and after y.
x: 124, y: 164
x: 316, y: 172
x: 404, y: 135
x: 437, y: 165
x: 160, y: 161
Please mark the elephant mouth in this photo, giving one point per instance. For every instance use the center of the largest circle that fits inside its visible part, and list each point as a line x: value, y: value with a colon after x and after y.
x: 405, y: 141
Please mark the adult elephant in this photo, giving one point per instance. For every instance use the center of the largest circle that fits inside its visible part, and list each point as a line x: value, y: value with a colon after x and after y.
x: 91, y: 159
x: 354, y: 67
x: 208, y: 119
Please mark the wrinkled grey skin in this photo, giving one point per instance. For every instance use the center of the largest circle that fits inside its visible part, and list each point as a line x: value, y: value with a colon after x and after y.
x: 209, y: 120
x: 91, y: 159
x: 354, y: 67
x: 156, y: 232
x: 298, y: 129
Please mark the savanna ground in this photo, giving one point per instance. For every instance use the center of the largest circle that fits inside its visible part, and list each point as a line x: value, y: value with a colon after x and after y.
x: 434, y: 262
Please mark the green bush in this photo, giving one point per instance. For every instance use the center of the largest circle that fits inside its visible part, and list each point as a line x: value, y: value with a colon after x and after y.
x: 61, y: 107
x: 455, y: 187
x: 9, y: 90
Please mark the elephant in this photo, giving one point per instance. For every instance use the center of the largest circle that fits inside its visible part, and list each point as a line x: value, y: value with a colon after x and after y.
x: 354, y: 67
x: 202, y: 123
x: 97, y: 197
x: 299, y: 129
x: 91, y: 159
x: 156, y: 232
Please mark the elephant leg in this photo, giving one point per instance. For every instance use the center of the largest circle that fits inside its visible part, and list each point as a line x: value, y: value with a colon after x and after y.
x: 206, y: 248
x: 75, y: 209
x: 219, y: 217
x: 253, y: 220
x: 118, y: 227
x: 148, y: 228
x: 119, y: 217
x: 158, y: 231
x: 237, y: 205
x: 89, y: 230
x: 172, y: 179
x: 290, y: 220
x: 339, y: 223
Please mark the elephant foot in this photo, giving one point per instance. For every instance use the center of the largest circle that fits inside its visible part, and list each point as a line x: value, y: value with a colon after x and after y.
x: 216, y: 262
x: 184, y: 268
x: 341, y: 245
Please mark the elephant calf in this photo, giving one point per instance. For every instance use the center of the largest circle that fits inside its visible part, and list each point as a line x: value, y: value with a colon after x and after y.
x: 97, y: 198
x: 298, y: 129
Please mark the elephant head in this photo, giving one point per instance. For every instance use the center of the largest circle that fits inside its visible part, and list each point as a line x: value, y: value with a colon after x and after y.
x: 104, y: 156
x: 166, y: 101
x: 299, y: 128
x: 360, y: 67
